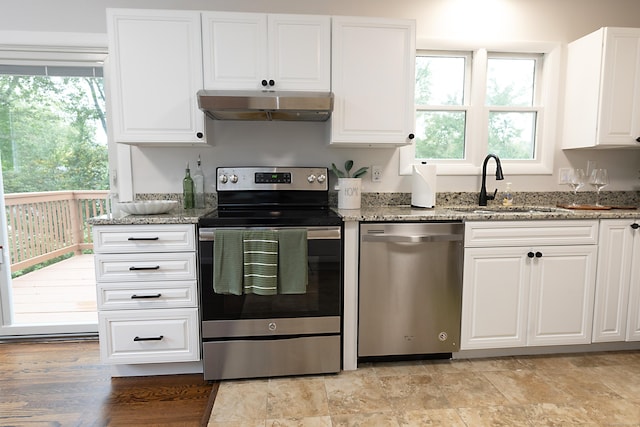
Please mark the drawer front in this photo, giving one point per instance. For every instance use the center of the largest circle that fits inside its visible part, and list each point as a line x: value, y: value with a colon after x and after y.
x: 149, y: 336
x: 144, y: 238
x: 530, y: 233
x: 141, y: 295
x: 145, y: 267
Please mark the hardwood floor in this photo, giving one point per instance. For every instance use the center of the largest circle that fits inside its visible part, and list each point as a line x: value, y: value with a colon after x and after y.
x: 65, y: 384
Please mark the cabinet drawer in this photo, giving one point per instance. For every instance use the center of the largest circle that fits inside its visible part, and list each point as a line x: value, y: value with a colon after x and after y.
x: 144, y: 238
x: 124, y: 296
x: 530, y: 233
x: 149, y: 336
x: 145, y: 267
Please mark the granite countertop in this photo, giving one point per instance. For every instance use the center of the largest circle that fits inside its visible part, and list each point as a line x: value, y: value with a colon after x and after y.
x: 399, y: 213
x: 479, y: 213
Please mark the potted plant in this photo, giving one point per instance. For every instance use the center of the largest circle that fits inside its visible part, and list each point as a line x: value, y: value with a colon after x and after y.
x: 349, y: 185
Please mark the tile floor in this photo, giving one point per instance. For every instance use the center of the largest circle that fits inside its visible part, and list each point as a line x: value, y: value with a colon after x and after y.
x: 595, y: 389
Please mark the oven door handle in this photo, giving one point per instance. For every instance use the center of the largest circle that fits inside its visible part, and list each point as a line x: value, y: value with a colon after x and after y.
x: 314, y: 233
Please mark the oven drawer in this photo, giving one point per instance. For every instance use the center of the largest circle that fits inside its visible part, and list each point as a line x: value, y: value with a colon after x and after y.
x: 145, y: 267
x: 267, y: 358
x: 144, y: 238
x: 149, y: 336
x: 156, y: 294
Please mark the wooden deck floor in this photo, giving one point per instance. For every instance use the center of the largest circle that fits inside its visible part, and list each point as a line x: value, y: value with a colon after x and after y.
x: 62, y: 293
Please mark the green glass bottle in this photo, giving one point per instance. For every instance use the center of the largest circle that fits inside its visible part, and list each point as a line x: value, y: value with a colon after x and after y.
x: 187, y: 189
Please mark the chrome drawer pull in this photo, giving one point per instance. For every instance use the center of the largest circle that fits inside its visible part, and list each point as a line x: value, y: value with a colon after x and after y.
x: 159, y: 338
x: 157, y: 267
x: 143, y: 238
x: 134, y: 296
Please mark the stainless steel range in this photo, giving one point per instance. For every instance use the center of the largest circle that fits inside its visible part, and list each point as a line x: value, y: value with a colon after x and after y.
x: 277, y: 316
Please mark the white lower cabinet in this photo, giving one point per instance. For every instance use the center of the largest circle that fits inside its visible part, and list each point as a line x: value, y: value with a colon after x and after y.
x: 147, y: 293
x: 617, y: 302
x: 534, y: 295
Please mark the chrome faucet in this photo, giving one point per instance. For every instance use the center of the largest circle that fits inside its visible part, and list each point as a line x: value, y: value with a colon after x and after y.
x: 483, y: 190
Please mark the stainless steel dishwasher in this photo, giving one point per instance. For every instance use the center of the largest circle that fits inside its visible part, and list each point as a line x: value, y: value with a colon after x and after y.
x: 410, y: 288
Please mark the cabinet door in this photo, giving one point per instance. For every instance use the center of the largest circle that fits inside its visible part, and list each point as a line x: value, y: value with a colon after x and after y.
x: 234, y: 50
x: 633, y: 327
x: 494, y: 298
x: 561, y: 300
x: 613, y: 280
x: 300, y: 52
x: 620, y: 92
x: 155, y: 72
x: 373, y: 79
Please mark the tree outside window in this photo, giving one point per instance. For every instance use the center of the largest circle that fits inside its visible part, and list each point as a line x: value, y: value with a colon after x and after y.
x: 52, y: 129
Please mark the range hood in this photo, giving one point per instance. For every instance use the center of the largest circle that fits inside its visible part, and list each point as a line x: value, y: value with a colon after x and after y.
x: 266, y: 105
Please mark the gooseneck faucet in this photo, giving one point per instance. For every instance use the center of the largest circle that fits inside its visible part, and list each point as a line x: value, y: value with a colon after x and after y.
x: 483, y: 190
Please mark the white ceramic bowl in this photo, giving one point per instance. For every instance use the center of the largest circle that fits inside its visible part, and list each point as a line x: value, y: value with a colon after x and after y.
x: 148, y: 207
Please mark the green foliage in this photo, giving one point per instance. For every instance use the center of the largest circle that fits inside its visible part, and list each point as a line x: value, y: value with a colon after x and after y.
x: 47, y: 134
x: 348, y: 165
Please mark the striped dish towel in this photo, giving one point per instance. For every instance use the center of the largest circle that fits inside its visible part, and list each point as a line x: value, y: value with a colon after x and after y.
x: 260, y: 262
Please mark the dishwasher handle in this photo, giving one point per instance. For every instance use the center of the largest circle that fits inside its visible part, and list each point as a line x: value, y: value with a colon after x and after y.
x: 406, y: 238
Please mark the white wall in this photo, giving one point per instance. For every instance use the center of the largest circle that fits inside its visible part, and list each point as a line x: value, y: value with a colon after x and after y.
x: 161, y: 169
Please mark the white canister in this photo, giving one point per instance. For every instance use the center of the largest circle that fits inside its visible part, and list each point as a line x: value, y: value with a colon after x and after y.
x: 349, y: 195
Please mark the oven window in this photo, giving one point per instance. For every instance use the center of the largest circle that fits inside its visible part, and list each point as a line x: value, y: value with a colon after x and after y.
x: 323, y: 296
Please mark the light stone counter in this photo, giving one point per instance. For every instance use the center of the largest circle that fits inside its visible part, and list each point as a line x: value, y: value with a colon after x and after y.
x: 479, y: 213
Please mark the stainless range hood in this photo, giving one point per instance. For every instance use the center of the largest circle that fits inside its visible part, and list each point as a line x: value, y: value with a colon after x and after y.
x: 266, y: 105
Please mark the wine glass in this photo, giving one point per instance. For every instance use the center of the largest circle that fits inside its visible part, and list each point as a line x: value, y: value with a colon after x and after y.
x: 575, y: 181
x: 599, y: 178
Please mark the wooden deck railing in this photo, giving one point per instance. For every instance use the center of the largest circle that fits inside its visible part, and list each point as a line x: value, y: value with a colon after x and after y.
x: 42, y: 226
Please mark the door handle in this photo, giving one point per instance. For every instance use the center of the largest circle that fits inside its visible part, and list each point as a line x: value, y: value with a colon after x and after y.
x: 401, y: 238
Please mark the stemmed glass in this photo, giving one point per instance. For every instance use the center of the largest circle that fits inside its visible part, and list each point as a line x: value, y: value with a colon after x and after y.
x: 576, y: 180
x: 599, y: 178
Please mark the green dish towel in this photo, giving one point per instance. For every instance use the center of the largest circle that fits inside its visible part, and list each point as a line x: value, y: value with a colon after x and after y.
x: 260, y: 262
x: 227, y: 256
x: 292, y: 261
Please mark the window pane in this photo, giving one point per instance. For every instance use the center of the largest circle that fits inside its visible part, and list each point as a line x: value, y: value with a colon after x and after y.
x: 439, y: 80
x: 512, y: 134
x: 53, y: 133
x: 510, y: 82
x: 440, y: 134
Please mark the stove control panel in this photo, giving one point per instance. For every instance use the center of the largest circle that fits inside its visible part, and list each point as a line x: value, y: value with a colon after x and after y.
x: 272, y: 178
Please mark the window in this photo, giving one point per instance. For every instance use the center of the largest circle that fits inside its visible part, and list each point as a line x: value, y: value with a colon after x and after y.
x: 52, y: 128
x: 475, y: 102
x: 442, y: 90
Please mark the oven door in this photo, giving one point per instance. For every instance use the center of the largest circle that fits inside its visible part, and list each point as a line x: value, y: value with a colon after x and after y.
x: 324, y: 290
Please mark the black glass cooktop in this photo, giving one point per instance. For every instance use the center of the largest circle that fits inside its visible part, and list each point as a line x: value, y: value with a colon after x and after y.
x: 241, y: 217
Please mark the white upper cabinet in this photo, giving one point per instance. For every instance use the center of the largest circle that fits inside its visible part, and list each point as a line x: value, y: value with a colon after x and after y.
x: 602, y: 98
x: 247, y: 51
x: 373, y: 79
x: 155, y: 71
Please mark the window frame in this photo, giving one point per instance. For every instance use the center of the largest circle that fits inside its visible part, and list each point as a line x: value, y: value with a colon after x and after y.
x: 477, y: 120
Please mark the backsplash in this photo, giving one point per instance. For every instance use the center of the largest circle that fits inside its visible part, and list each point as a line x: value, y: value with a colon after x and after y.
x: 552, y: 198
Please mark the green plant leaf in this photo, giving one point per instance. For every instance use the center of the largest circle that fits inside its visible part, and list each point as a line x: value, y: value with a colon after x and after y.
x: 360, y: 172
x: 347, y: 166
x: 337, y: 171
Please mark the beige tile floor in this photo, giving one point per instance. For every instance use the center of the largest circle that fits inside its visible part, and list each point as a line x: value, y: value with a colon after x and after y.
x: 595, y: 389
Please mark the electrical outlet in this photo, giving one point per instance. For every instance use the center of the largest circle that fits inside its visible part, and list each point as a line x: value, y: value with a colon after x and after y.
x: 376, y: 173
x: 563, y: 175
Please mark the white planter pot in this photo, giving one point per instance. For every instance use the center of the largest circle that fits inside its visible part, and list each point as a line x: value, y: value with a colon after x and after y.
x: 350, y: 192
